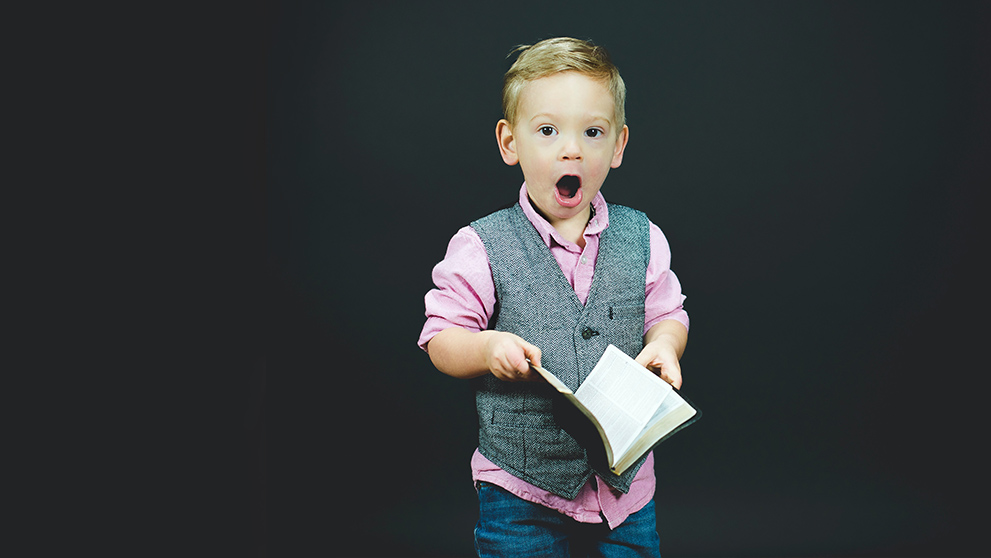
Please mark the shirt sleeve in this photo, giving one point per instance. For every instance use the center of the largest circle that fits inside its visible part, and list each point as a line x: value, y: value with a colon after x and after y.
x: 664, y: 299
x: 464, y: 293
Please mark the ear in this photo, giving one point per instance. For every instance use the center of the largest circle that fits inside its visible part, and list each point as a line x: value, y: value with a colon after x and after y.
x: 617, y: 157
x: 507, y: 143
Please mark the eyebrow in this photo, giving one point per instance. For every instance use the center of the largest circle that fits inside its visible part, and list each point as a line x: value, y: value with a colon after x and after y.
x: 552, y: 116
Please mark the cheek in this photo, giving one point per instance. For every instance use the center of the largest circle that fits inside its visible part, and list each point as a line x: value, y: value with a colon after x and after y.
x: 537, y: 166
x: 529, y: 167
x: 601, y: 168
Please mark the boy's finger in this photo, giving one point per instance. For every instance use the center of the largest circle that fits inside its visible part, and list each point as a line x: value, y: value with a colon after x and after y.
x: 519, y: 365
x: 642, y: 359
x: 671, y: 378
x: 532, y: 354
x: 646, y: 359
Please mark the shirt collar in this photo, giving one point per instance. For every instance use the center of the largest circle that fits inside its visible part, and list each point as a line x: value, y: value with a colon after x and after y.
x: 598, y: 223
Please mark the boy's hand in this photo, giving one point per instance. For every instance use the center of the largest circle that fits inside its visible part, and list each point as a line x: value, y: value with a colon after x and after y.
x: 661, y: 358
x: 506, y: 357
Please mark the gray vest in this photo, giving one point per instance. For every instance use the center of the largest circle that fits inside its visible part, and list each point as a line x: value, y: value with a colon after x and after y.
x: 526, y: 428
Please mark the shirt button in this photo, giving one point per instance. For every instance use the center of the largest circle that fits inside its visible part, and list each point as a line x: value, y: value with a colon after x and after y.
x: 582, y: 260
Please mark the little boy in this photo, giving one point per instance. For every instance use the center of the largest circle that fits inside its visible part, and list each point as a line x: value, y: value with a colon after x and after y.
x: 552, y: 281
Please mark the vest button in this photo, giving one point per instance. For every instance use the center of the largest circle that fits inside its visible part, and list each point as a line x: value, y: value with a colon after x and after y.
x: 589, y: 333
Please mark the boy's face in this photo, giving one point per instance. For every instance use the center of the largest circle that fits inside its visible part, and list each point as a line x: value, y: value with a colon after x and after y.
x: 566, y: 140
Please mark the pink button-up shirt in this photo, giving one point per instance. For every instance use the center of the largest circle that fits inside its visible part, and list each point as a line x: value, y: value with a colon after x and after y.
x: 465, y: 297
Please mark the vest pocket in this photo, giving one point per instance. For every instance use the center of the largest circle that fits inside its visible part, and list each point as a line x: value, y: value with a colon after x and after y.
x: 523, y: 420
x: 534, y: 436
x: 624, y: 328
x: 618, y: 312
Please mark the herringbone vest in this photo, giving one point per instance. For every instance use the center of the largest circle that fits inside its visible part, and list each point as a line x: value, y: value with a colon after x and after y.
x: 525, y: 427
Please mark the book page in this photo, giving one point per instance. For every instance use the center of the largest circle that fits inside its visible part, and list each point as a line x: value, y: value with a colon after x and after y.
x: 623, y: 396
x: 563, y: 389
x: 669, y: 404
x: 672, y: 413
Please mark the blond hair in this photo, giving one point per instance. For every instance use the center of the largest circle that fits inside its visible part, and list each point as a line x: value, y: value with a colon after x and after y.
x: 561, y: 54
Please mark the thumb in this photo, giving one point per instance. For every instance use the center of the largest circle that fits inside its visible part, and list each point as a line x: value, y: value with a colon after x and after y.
x: 645, y: 357
x: 532, y: 353
x: 671, y: 373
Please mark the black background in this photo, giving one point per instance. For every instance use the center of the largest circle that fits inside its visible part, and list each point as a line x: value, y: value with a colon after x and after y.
x: 819, y: 169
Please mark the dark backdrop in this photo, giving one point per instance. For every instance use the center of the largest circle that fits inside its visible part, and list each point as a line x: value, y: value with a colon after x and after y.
x: 819, y: 169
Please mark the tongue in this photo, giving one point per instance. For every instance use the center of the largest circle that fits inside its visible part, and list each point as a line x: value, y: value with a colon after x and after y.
x: 568, y: 192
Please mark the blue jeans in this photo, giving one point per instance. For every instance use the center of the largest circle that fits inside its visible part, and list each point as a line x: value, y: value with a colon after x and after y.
x: 509, y: 526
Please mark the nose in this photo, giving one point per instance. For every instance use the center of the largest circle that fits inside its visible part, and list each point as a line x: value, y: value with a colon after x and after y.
x: 571, y: 149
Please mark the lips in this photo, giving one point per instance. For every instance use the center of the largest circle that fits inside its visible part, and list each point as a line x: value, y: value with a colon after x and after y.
x: 568, y: 190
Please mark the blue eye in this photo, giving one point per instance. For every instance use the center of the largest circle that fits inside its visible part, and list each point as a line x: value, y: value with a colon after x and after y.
x: 546, y: 131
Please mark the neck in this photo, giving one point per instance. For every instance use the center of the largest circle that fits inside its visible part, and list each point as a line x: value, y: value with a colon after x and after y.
x: 572, y: 228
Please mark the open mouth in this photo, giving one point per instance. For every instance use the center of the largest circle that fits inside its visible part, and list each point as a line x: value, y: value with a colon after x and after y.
x: 568, y: 191
x: 569, y: 185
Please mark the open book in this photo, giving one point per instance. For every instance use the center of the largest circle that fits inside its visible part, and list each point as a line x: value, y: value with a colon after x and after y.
x: 630, y: 406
